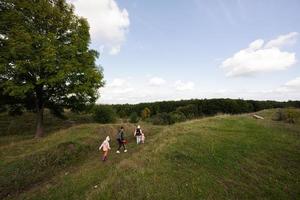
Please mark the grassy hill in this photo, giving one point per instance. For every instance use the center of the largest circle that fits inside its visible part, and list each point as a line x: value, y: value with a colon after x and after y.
x: 222, y: 157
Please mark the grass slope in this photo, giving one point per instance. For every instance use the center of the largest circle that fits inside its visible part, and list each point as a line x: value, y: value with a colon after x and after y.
x: 222, y: 157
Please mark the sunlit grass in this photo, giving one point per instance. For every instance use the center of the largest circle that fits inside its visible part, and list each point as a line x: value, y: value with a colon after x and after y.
x: 222, y: 157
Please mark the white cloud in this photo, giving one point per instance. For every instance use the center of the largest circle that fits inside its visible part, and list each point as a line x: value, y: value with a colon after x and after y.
x: 125, y: 90
x: 290, y: 86
x: 118, y: 86
x: 109, y: 24
x: 282, y: 40
x: 115, y: 50
x: 156, y: 81
x: 117, y: 82
x: 257, y: 44
x: 259, y: 58
x: 295, y: 83
x: 116, y: 91
x: 182, y: 86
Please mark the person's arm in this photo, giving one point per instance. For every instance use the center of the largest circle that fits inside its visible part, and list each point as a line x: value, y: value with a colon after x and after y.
x: 134, y: 133
x: 108, y: 145
x: 122, y: 136
x: 101, y: 146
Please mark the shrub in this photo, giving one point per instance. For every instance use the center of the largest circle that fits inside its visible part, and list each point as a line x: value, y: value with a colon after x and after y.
x: 162, y: 119
x: 104, y: 114
x: 145, y: 113
x: 15, y: 110
x: 190, y: 111
x: 3, y: 108
x: 177, y: 116
x: 133, y: 118
x: 286, y: 115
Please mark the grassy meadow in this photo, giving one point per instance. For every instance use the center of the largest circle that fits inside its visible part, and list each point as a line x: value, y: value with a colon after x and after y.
x: 220, y: 157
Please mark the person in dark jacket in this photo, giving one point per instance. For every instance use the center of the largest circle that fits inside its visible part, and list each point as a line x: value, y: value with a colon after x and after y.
x: 121, y: 140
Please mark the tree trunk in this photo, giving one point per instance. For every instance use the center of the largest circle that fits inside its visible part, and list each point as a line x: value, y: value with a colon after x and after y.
x: 39, y: 121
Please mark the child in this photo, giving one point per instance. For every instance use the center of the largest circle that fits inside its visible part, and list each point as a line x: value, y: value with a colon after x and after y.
x: 105, y: 148
x: 143, y: 138
x: 121, y: 140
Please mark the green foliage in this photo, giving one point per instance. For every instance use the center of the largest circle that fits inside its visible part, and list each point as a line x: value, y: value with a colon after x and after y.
x: 122, y: 114
x: 104, y: 114
x: 145, y: 113
x: 287, y: 115
x: 190, y: 111
x: 177, y: 117
x: 163, y: 119
x: 134, y: 118
x: 45, y: 57
x: 203, y: 107
x: 15, y: 109
x: 23, y: 125
x: 3, y: 108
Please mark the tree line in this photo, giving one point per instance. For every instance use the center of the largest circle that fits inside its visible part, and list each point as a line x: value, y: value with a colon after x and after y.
x: 194, y: 108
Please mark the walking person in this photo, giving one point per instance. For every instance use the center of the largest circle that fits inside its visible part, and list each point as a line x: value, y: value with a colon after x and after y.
x: 105, y: 148
x: 138, y: 134
x: 121, y: 139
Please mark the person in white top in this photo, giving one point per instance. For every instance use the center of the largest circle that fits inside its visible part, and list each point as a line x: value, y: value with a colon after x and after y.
x: 138, y: 133
x: 105, y: 148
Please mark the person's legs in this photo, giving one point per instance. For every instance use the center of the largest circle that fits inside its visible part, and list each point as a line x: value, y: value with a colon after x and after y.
x: 124, y: 146
x: 142, y: 139
x: 104, y: 156
x: 120, y: 145
x: 137, y: 139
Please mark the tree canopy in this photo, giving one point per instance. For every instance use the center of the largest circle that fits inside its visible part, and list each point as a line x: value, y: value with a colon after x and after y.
x: 202, y: 107
x: 45, y: 59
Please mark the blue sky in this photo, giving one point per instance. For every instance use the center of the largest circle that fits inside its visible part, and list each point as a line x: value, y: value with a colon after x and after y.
x: 181, y: 49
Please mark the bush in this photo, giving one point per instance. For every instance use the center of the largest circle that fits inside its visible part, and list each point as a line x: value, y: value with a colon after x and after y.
x: 3, y: 108
x: 162, y: 119
x: 177, y: 117
x: 104, y: 114
x: 190, y: 111
x: 145, y: 113
x: 15, y: 110
x: 133, y: 118
x: 286, y: 115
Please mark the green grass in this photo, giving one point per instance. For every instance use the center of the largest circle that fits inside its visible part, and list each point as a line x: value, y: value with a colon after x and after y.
x: 23, y: 126
x: 222, y: 157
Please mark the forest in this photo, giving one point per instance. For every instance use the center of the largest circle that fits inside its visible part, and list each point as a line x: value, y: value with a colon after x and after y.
x: 168, y: 112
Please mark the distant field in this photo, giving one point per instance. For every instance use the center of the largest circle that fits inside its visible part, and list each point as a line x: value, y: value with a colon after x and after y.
x: 222, y: 157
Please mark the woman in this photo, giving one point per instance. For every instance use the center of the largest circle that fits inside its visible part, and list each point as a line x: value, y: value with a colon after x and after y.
x: 138, y: 134
x: 121, y: 140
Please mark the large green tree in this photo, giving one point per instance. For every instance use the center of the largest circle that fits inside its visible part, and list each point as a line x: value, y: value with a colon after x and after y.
x: 45, y: 60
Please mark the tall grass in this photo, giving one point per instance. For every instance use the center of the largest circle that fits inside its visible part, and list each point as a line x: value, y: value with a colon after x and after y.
x: 222, y: 157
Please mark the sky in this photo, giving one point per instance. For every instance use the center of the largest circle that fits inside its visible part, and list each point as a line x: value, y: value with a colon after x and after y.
x: 182, y: 49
